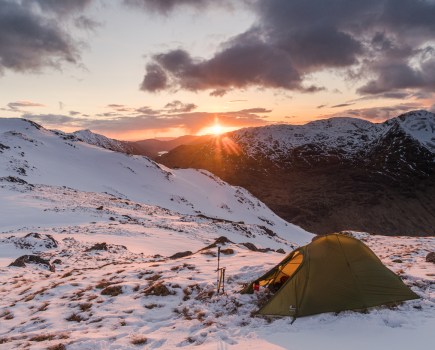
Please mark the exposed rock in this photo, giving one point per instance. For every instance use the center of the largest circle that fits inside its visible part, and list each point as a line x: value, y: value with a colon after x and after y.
x: 100, y: 207
x: 98, y: 246
x: 158, y: 289
x: 431, y: 257
x: 250, y: 246
x: 280, y: 250
x: 32, y: 259
x: 180, y: 255
x: 222, y: 240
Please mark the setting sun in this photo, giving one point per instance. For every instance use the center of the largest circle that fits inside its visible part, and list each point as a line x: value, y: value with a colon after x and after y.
x: 216, y: 129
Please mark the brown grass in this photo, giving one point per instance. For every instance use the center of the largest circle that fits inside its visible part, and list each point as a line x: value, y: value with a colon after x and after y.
x: 139, y: 340
x: 57, y: 347
x: 75, y: 317
x: 43, y: 337
x: 85, y: 306
x: 112, y: 291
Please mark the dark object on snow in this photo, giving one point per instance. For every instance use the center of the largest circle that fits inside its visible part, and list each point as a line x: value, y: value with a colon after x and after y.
x: 180, y: 255
x: 51, y: 242
x: 32, y: 259
x: 331, y: 274
x: 227, y: 251
x: 100, y: 207
x: 281, y: 251
x: 57, y: 261
x: 252, y: 247
x: 98, y: 246
x: 112, y: 291
x: 222, y: 240
x: 158, y: 289
x: 430, y: 257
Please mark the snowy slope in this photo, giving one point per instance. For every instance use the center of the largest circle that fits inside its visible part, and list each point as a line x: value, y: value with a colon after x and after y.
x: 420, y: 125
x: 101, y: 141
x: 118, y: 299
x: 59, y: 198
x: 40, y: 156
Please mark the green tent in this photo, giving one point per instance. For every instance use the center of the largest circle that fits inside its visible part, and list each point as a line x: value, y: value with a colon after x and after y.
x: 331, y: 274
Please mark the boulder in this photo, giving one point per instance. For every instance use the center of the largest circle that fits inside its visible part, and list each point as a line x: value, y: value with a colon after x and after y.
x: 32, y: 259
x: 430, y: 257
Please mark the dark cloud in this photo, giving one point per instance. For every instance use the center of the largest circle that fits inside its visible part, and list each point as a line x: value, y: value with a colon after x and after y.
x: 61, y: 7
x: 29, y: 41
x: 321, y: 106
x: 23, y: 104
x: 167, y: 6
x: 179, y: 107
x: 342, y: 105
x: 383, y: 41
x: 86, y: 23
x: 73, y: 113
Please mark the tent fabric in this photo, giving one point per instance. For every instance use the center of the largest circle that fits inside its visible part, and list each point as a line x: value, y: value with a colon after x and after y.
x: 331, y: 274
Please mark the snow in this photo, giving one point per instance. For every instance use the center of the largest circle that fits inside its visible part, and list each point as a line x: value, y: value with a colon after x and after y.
x: 344, y: 135
x: 40, y: 156
x: 133, y: 296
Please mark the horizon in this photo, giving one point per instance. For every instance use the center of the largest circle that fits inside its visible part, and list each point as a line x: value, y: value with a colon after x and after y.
x: 140, y: 69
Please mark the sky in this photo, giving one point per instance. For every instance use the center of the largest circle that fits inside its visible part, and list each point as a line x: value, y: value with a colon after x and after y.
x: 137, y: 69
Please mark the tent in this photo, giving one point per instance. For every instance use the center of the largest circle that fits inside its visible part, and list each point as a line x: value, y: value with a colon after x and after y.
x: 331, y: 274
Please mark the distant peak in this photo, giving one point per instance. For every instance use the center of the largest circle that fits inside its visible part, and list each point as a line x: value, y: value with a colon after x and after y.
x: 420, y: 113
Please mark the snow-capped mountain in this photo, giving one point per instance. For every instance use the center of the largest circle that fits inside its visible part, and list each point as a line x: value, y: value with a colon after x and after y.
x: 101, y: 250
x: 346, y: 138
x: 102, y: 141
x: 38, y: 156
x: 331, y: 175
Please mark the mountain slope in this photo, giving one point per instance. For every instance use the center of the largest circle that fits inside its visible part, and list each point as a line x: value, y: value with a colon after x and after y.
x: 42, y: 157
x: 332, y: 175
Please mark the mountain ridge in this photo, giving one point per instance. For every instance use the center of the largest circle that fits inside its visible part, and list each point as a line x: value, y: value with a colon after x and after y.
x: 332, y: 175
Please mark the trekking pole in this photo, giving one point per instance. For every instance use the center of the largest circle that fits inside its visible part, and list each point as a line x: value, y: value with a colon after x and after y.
x: 223, y: 280
x: 218, y: 270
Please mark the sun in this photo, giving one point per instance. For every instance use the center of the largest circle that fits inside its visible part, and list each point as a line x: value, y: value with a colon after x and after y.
x: 216, y: 129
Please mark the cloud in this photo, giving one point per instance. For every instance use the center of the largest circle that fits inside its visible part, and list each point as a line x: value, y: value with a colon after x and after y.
x: 23, y: 104
x: 29, y: 42
x: 256, y: 110
x: 146, y: 111
x: 86, y: 23
x: 342, y: 105
x: 385, y: 43
x: 379, y: 113
x: 113, y: 122
x: 63, y: 7
x: 179, y: 107
x: 167, y: 6
x: 73, y: 113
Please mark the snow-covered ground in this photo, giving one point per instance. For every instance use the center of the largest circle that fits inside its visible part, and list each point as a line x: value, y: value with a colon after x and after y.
x: 59, y: 198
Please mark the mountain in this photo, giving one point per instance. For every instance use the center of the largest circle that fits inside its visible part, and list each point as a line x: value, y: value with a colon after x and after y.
x: 152, y: 148
x: 102, y: 141
x: 334, y: 174
x: 33, y: 156
x: 103, y: 250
